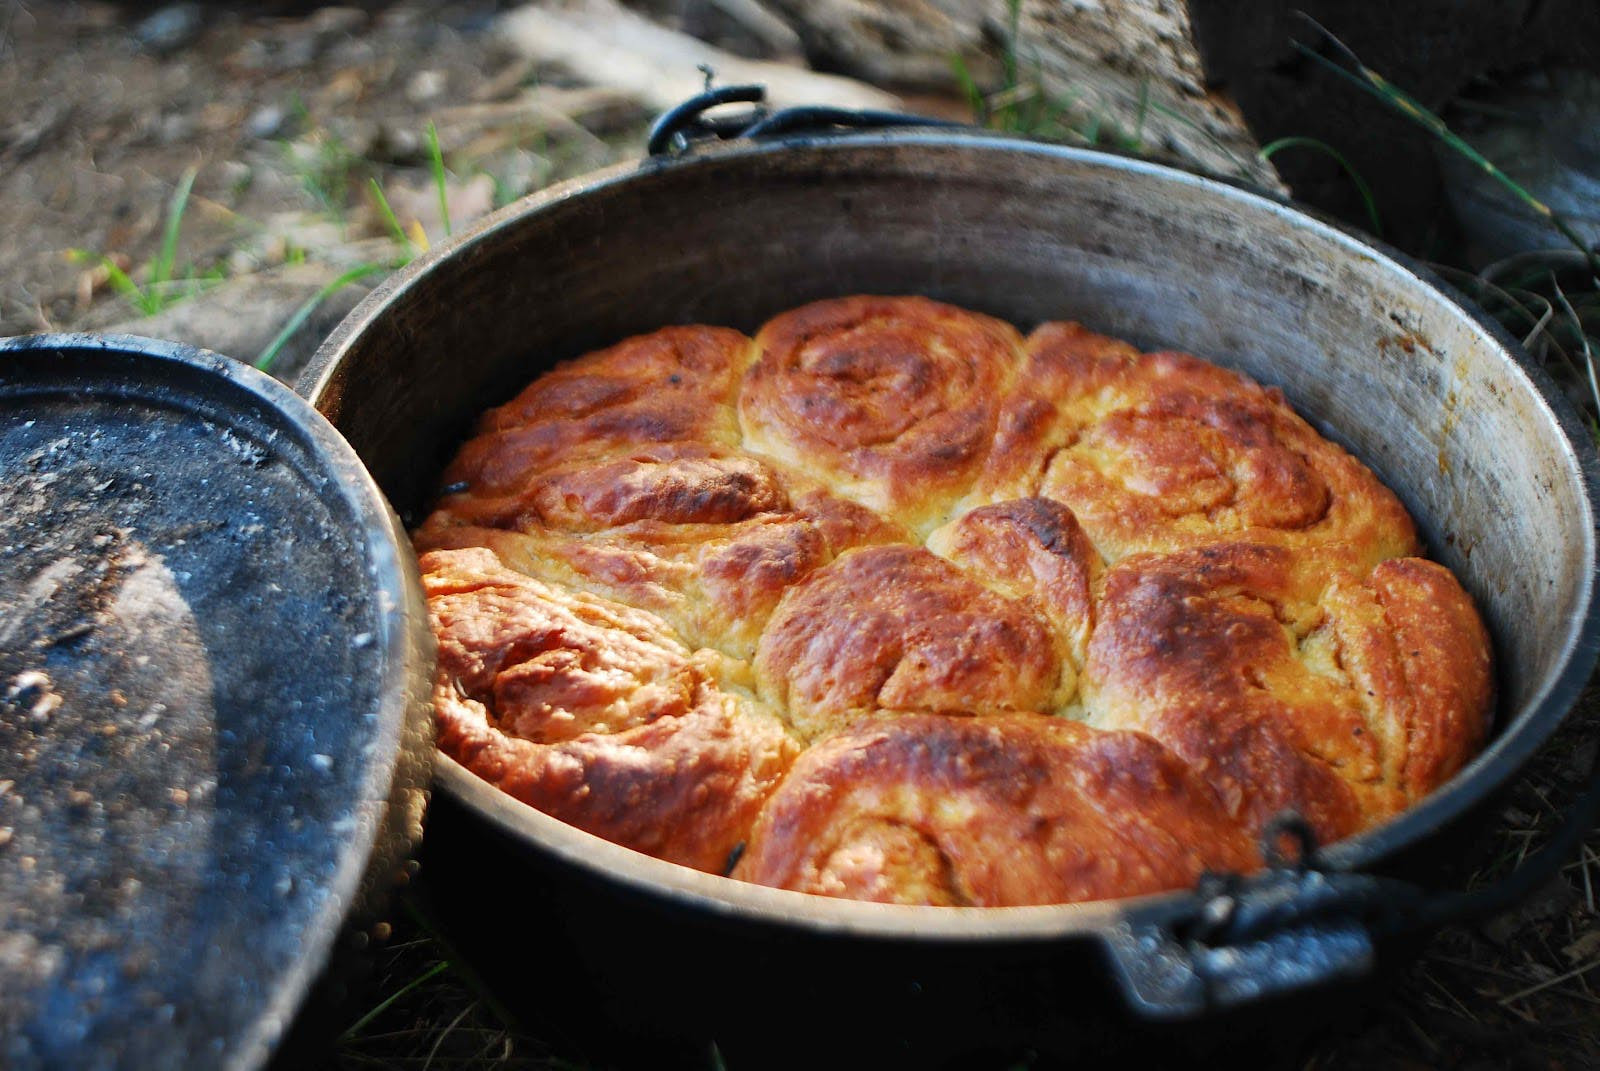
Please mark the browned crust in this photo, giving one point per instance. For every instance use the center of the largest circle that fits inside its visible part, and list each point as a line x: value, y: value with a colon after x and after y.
x: 594, y: 714
x: 664, y: 564
x: 700, y: 534
x: 674, y: 385
x: 896, y: 628
x: 987, y: 812
x: 1034, y: 550
x: 892, y: 398
x: 1343, y: 697
x: 1163, y: 450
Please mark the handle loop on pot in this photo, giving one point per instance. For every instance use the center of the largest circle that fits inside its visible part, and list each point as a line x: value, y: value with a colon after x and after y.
x: 686, y: 124
x: 679, y: 126
x: 1292, y: 926
x: 1298, y: 925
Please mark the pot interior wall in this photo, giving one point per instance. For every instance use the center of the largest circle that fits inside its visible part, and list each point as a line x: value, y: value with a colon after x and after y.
x: 1365, y: 349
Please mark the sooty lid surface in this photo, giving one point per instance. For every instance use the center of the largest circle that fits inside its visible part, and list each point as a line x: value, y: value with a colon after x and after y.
x: 199, y: 620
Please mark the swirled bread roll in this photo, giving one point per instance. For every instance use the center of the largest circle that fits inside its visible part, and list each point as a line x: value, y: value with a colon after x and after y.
x: 988, y: 812
x: 896, y: 628
x: 889, y: 400
x: 1163, y: 450
x: 704, y: 536
x: 594, y: 713
x: 675, y: 385
x: 1345, y: 698
x: 1034, y: 550
x: 963, y: 618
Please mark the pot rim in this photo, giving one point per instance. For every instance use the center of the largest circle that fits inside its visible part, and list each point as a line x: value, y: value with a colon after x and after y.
x: 1497, y: 764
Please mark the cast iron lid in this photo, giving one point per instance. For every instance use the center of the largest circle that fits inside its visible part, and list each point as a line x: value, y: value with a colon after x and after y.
x: 213, y: 703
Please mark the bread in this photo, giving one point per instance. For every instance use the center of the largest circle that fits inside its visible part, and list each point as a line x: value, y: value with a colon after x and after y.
x: 892, y: 603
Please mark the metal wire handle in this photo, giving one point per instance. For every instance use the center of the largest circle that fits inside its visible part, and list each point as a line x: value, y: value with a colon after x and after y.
x: 680, y: 127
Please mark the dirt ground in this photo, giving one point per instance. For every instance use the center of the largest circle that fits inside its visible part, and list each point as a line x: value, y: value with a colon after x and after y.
x: 298, y: 124
x: 285, y: 121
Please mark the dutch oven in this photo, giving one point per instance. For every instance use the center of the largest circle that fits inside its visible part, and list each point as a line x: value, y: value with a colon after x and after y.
x: 648, y: 960
x: 1491, y: 460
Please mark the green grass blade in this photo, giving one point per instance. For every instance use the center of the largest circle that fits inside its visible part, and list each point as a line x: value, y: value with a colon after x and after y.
x: 436, y: 162
x: 118, y: 280
x: 390, y: 219
x: 969, y: 87
x: 463, y: 967
x: 356, y: 1027
x: 1141, y: 113
x: 1240, y: 164
x: 1583, y: 340
x: 303, y: 313
x: 1271, y: 149
x: 162, y: 269
x: 1373, y: 83
x: 1013, y: 71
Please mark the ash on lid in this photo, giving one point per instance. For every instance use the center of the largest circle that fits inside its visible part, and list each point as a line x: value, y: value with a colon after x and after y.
x: 175, y: 598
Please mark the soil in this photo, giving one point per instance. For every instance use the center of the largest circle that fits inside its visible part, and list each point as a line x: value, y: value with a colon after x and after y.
x: 285, y: 119
x: 287, y: 115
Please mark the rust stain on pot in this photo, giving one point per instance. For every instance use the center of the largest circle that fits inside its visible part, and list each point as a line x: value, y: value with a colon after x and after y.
x: 1447, y: 427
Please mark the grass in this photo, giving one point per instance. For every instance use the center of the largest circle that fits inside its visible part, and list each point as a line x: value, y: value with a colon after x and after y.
x: 326, y: 167
x: 1272, y: 148
x: 1402, y: 103
x: 434, y: 1012
x: 1022, y: 105
x: 1548, y: 298
x: 411, y: 242
x: 269, y: 354
x: 436, y: 168
x: 162, y: 286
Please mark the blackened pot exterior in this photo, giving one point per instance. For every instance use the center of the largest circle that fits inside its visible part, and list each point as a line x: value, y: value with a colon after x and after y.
x: 1497, y: 470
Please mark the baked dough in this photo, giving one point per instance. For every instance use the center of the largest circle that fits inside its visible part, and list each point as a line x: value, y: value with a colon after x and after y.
x: 892, y: 603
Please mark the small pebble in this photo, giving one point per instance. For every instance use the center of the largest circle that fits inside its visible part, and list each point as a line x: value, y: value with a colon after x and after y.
x: 169, y: 28
x: 425, y: 86
x: 266, y: 122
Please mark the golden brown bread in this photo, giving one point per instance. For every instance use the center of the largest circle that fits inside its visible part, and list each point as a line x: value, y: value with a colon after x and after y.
x: 891, y: 401
x: 1343, y: 697
x: 896, y: 628
x: 1022, y: 809
x: 675, y: 385
x: 1044, y: 620
x: 708, y: 539
x: 1157, y: 451
x: 592, y: 712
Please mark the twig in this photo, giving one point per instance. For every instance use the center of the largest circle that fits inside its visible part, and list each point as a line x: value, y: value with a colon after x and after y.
x: 446, y: 1033
x: 1548, y: 982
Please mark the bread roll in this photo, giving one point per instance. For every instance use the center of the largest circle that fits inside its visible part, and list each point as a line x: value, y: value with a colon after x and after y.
x: 891, y: 603
x: 990, y: 812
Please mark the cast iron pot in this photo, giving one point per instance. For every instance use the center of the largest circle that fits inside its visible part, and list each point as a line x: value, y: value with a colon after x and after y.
x: 1494, y: 465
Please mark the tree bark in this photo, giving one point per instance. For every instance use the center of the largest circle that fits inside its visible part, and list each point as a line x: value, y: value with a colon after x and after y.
x: 1127, y: 69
